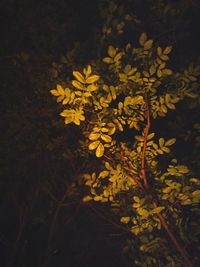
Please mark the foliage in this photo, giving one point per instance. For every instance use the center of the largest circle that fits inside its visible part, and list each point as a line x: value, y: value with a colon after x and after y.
x: 127, y: 91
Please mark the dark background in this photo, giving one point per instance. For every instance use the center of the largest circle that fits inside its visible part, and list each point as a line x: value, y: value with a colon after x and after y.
x: 39, y: 164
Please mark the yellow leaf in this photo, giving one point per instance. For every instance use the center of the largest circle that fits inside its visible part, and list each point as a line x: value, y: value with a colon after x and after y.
x: 159, y: 51
x: 100, y: 150
x: 167, y: 50
x: 161, y: 142
x: 164, y: 57
x: 65, y: 101
x: 107, y: 60
x: 159, y: 73
x: 150, y: 136
x: 106, y: 138
x: 60, y: 90
x: 165, y: 149
x: 54, y: 92
x: 87, y: 198
x: 152, y: 70
x: 143, y: 38
x: 76, y: 121
x: 88, y: 71
x: 92, y: 79
x: 94, y: 136
x: 125, y: 220
x: 170, y: 142
x: 158, y: 210
x: 111, y: 51
x: 79, y: 76
x: 92, y: 87
x: 148, y: 44
x: 78, y: 85
x: 93, y: 145
x: 118, y: 56
x: 167, y: 72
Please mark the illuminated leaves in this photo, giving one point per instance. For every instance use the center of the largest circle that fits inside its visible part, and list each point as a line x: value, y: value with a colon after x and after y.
x: 73, y: 115
x: 132, y: 80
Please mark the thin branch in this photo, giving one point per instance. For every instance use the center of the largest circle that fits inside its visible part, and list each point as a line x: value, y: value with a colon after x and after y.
x: 164, y: 224
x: 147, y: 128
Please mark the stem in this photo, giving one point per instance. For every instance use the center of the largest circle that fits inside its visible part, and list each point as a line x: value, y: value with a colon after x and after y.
x: 147, y: 128
x: 173, y: 239
x: 178, y: 246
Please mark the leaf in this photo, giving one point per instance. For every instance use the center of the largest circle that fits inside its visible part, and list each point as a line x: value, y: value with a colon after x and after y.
x: 150, y: 136
x: 93, y: 145
x: 167, y: 72
x: 125, y: 220
x: 106, y: 138
x: 100, y: 150
x: 86, y: 199
x: 88, y: 71
x: 78, y: 85
x: 118, y: 57
x: 152, y: 70
x: 143, y: 38
x: 92, y: 87
x: 183, y: 169
x: 161, y: 142
x: 54, y: 92
x: 148, y: 45
x: 79, y: 76
x: 103, y: 174
x: 136, y: 199
x: 143, y: 212
x: 60, y: 90
x: 167, y: 50
x: 92, y: 79
x: 94, y: 136
x: 159, y: 51
x: 170, y: 142
x: 165, y: 149
x: 111, y: 51
x: 158, y: 210
x: 107, y: 60
x: 159, y: 73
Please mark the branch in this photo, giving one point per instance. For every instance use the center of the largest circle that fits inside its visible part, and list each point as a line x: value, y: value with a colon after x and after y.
x: 146, y: 132
x: 146, y: 185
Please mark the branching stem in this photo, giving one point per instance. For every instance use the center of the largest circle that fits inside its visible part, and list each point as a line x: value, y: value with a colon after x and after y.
x: 164, y: 224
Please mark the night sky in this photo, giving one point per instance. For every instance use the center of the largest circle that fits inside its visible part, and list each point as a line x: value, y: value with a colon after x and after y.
x: 39, y: 165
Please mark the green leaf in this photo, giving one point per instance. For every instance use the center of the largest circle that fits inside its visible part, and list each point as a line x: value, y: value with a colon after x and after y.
x: 100, y: 150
